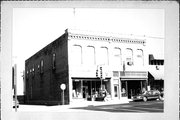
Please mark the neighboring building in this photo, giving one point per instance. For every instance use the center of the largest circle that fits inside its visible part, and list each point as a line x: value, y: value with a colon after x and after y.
x: 87, y: 62
x: 156, y: 73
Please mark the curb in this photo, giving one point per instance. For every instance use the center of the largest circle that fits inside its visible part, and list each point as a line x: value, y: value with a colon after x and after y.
x: 95, y: 103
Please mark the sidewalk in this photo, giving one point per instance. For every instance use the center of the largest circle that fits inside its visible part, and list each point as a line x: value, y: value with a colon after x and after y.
x: 69, y: 108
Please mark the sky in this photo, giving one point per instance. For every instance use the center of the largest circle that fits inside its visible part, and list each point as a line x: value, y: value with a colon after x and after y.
x: 34, y: 28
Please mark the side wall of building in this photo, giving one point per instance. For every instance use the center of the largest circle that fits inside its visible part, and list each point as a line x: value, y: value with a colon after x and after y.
x: 46, y: 71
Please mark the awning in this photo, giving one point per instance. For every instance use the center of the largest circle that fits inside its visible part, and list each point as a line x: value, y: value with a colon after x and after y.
x: 88, y: 79
x: 156, y: 74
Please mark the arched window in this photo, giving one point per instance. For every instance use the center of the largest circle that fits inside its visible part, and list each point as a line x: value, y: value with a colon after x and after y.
x: 90, y: 55
x: 42, y: 66
x: 129, y: 56
x: 140, y: 57
x: 104, y: 56
x: 76, y: 55
x: 117, y: 59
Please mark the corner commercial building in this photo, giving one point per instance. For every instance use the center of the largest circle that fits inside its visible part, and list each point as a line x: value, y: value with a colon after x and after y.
x: 87, y: 62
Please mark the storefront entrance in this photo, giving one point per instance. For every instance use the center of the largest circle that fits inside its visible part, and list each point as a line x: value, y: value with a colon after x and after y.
x: 134, y: 88
x: 116, y: 91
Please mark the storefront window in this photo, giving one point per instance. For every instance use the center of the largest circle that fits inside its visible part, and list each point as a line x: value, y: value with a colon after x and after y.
x: 77, y: 89
x: 90, y: 89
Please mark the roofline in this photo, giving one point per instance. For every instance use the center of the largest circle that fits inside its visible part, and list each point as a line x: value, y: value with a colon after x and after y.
x: 100, y: 33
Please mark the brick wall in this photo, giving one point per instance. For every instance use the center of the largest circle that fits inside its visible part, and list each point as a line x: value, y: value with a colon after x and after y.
x: 43, y: 83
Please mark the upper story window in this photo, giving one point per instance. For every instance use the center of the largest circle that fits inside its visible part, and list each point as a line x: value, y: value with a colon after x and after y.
x: 42, y: 66
x: 89, y: 56
x: 30, y: 71
x: 54, y: 61
x: 156, y: 62
x: 77, y: 55
x: 27, y: 73
x: 103, y: 56
x: 153, y: 61
x: 117, y: 57
x: 38, y: 68
x: 33, y: 71
x: 140, y: 57
x: 129, y: 56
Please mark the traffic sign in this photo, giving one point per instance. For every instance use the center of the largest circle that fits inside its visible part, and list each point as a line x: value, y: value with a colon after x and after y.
x: 63, y: 86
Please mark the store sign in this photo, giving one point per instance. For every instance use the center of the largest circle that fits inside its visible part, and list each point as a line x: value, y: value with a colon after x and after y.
x: 116, y: 81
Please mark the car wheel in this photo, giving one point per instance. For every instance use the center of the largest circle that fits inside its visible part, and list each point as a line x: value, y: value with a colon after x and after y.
x: 144, y: 99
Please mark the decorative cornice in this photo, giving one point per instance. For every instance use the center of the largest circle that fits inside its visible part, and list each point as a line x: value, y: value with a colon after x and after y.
x: 106, y: 38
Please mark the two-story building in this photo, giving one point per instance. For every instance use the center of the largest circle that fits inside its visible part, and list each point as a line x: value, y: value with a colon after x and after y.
x: 87, y: 62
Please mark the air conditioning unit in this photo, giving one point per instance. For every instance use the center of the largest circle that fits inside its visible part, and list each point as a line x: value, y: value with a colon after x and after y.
x: 130, y: 63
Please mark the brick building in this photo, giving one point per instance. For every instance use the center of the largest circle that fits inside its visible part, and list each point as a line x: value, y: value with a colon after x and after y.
x: 86, y: 63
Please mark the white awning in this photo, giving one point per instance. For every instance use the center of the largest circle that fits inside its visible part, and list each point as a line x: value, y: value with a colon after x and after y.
x: 157, y: 72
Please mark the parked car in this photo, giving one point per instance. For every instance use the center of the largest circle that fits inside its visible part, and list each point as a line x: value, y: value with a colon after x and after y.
x: 162, y: 94
x: 147, y: 95
x: 14, y: 103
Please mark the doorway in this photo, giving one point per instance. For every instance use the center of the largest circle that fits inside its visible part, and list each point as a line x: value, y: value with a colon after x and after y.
x: 134, y: 88
x: 116, y: 91
x: 85, y: 91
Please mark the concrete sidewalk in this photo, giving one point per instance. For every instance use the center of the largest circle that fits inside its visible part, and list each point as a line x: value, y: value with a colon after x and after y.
x: 69, y: 108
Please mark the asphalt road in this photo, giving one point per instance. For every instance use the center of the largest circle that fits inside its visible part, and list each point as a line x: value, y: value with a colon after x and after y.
x: 139, y: 107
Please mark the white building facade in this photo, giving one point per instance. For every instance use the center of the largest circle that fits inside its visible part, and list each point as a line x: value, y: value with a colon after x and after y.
x: 121, y: 61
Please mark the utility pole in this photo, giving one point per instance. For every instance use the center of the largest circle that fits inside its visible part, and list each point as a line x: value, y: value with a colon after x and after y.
x: 101, y: 75
x: 74, y: 13
x: 15, y: 86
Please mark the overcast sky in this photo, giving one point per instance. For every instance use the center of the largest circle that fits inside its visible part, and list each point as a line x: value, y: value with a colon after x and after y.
x: 34, y: 28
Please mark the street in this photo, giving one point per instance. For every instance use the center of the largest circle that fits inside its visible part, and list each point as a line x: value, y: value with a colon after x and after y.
x: 139, y: 107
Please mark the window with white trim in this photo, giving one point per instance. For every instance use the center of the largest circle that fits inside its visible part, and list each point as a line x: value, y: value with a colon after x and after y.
x: 139, y: 57
x: 54, y: 61
x: 129, y: 56
x: 42, y: 66
x: 117, y: 58
x: 76, y: 55
x: 103, y: 56
x: 89, y: 56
